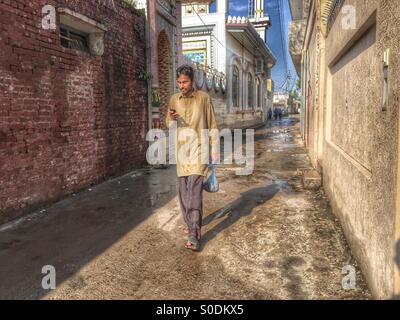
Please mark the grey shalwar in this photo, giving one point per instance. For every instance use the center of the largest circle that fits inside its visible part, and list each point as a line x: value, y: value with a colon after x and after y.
x: 191, y: 201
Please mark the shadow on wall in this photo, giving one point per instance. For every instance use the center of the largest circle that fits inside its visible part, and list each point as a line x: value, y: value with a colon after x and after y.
x: 367, y: 40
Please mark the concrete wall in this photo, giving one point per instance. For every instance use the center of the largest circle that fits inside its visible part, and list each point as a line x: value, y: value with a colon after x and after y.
x: 312, y: 82
x: 360, y: 141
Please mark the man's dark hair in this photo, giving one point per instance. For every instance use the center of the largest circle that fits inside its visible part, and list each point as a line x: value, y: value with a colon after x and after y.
x: 185, y: 70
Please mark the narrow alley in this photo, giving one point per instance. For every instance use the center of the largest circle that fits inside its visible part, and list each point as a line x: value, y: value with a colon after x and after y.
x: 264, y: 237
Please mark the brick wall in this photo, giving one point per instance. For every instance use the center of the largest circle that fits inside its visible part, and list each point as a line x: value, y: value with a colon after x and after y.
x: 67, y: 119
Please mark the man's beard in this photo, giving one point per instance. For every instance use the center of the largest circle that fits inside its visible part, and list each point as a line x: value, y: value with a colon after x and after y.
x: 186, y: 91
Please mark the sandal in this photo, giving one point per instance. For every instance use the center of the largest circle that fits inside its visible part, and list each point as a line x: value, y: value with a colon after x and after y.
x: 192, y: 244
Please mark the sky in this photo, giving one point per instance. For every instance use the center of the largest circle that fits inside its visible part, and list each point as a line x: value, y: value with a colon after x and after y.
x: 275, y: 38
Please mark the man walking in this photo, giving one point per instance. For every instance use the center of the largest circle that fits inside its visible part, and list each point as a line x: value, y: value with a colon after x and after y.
x: 194, y: 112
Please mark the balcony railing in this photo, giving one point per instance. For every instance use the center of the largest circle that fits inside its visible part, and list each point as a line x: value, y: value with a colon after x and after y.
x: 334, y: 11
x: 205, y: 75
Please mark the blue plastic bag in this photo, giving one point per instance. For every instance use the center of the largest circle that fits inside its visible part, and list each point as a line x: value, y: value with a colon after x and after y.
x: 211, y: 184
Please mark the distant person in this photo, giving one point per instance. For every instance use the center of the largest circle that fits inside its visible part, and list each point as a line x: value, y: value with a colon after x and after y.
x: 276, y: 113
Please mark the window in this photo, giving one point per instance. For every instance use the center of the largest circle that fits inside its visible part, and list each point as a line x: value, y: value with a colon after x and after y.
x: 189, y: 10
x: 235, y: 87
x: 202, y: 9
x: 80, y: 32
x: 72, y: 39
x: 259, y: 66
x: 250, y: 92
x: 260, y: 95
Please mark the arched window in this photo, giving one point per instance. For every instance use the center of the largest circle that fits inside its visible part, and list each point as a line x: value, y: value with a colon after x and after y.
x: 250, y: 92
x: 235, y: 87
x: 257, y: 102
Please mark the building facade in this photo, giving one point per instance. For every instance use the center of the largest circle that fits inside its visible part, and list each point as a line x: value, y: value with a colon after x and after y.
x: 235, y: 49
x: 281, y: 100
x: 164, y: 48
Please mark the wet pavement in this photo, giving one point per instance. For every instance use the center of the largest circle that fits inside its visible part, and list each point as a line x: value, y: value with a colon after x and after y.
x: 264, y: 237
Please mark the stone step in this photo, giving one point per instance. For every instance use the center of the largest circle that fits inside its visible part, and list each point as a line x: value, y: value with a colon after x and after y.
x: 312, y: 180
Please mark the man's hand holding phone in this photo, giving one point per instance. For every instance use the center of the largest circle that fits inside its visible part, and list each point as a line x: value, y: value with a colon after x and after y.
x: 173, y: 114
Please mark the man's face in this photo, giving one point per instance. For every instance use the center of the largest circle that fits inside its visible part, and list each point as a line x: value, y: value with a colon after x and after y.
x: 185, y: 84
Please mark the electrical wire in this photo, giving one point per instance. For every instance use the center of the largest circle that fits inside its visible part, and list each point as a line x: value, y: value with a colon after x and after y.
x: 210, y: 30
x: 283, y: 40
x: 280, y: 10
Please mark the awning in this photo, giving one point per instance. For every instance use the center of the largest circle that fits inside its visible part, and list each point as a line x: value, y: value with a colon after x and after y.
x: 245, y: 33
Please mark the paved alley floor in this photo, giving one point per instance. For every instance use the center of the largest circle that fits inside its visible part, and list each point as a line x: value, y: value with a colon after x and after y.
x: 264, y: 237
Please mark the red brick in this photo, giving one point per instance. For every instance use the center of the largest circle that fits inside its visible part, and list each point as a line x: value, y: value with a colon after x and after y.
x: 60, y: 118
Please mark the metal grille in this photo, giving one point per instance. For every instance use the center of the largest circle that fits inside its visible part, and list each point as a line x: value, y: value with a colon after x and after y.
x: 73, y: 40
x: 334, y: 12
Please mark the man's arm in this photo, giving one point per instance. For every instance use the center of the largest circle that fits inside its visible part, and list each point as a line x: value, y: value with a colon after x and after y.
x: 214, y: 133
x: 168, y: 118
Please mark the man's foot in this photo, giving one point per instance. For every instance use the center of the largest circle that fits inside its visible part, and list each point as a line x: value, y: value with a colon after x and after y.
x: 192, y: 244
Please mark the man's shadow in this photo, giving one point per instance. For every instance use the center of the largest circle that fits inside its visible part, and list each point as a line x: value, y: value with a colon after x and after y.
x: 232, y: 212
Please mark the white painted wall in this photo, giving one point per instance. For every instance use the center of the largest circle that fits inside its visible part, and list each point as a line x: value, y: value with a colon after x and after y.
x: 235, y: 49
